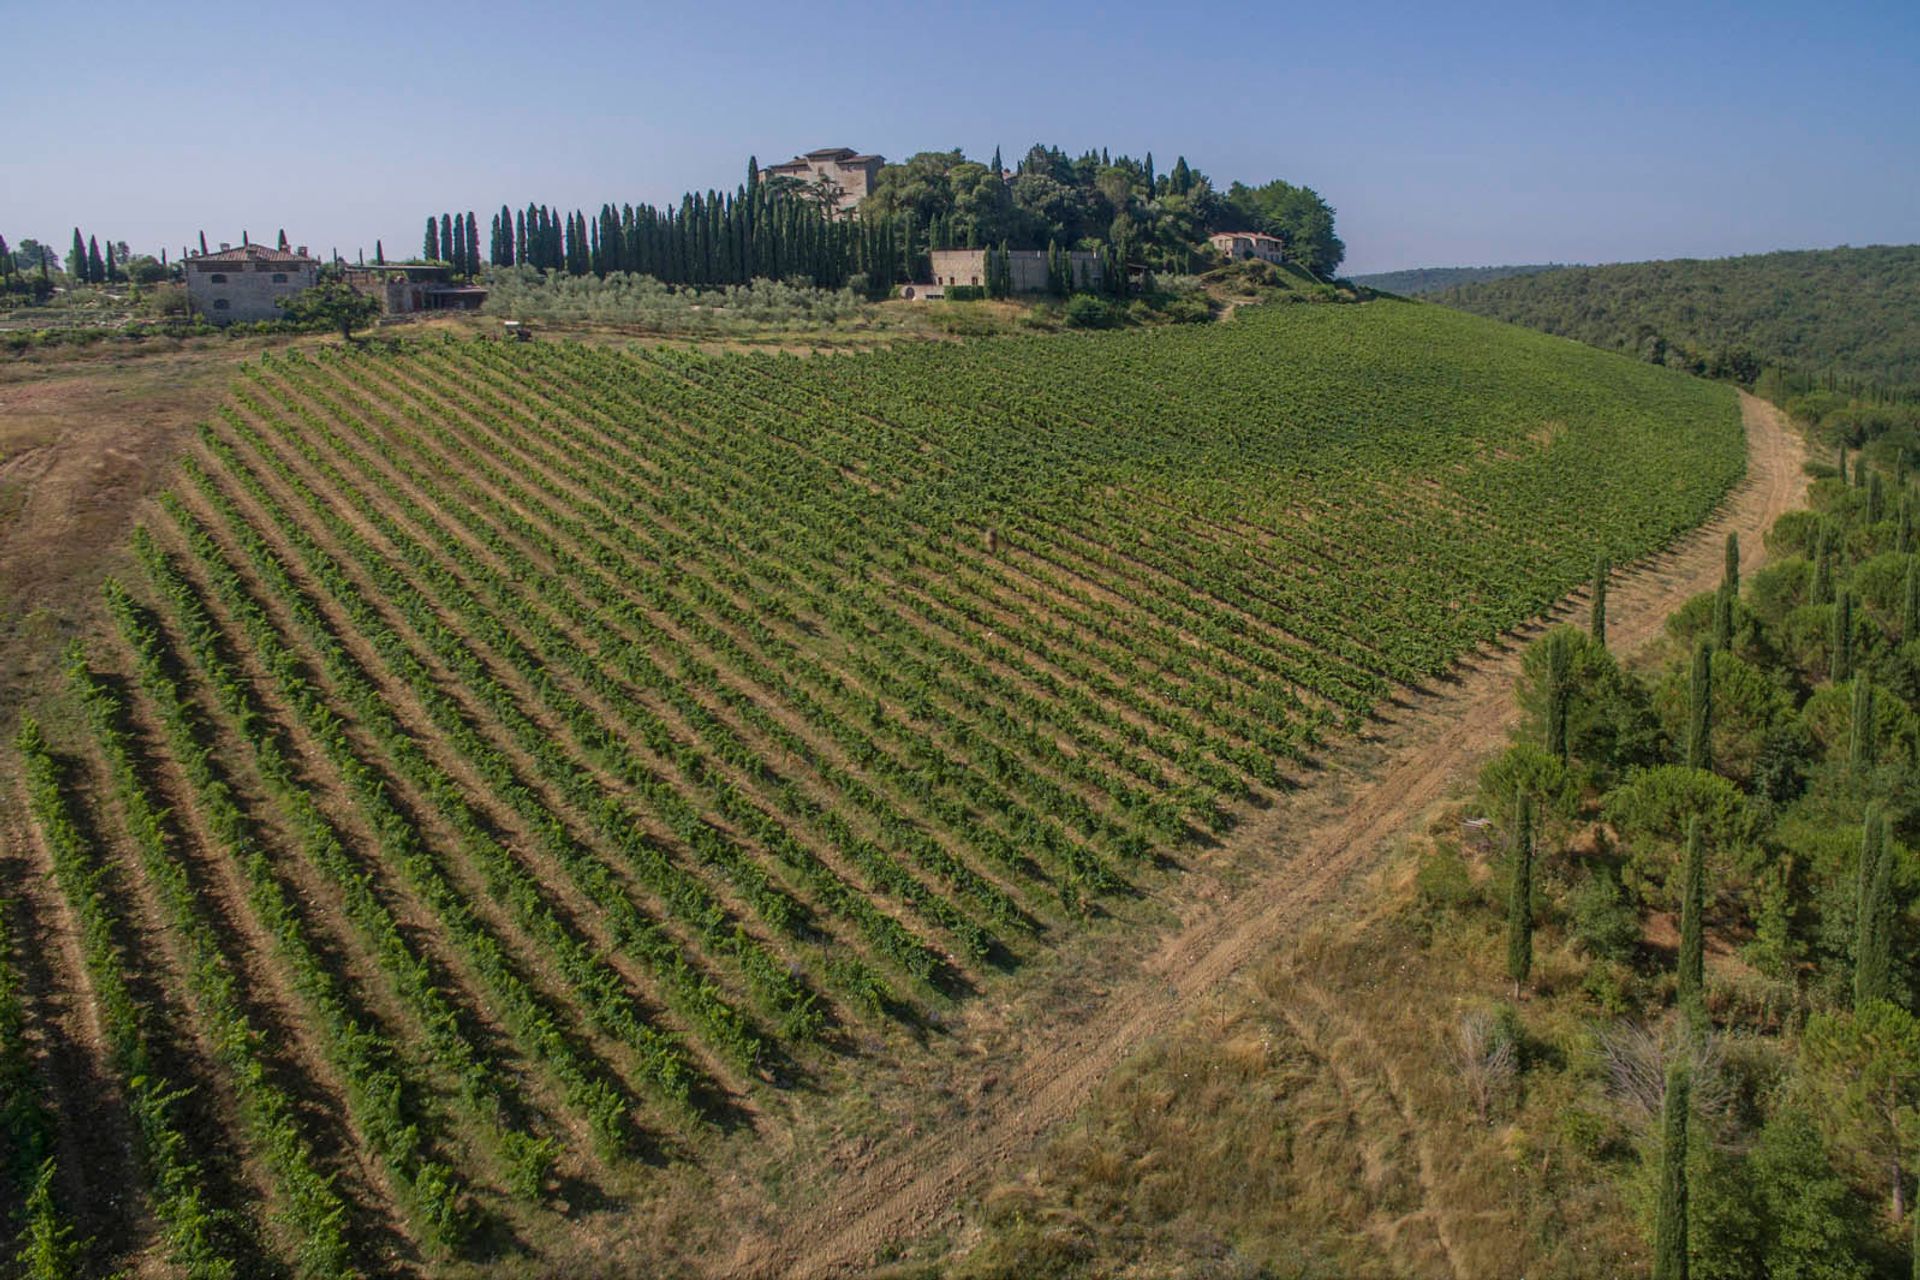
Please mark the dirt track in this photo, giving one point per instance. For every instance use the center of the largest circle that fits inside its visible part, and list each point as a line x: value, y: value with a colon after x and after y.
x: 1337, y: 826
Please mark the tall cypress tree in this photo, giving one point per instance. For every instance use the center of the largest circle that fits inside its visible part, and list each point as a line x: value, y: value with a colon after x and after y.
x: 1840, y: 641
x: 1820, y: 588
x: 1910, y: 604
x: 1843, y: 464
x: 446, y: 241
x: 1723, y: 618
x: 1520, y: 896
x: 1876, y: 499
x: 1670, y: 1222
x: 113, y: 269
x: 1559, y: 693
x: 1730, y: 571
x: 96, y: 267
x: 473, y: 245
x: 1862, y: 750
x: 203, y: 242
x: 1700, y: 709
x: 1873, y: 927
x: 1693, y: 906
x: 1598, y: 623
x: 430, y: 246
x: 77, y: 258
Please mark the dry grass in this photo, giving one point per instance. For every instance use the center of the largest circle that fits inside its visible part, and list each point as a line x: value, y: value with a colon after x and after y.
x: 1315, y: 1120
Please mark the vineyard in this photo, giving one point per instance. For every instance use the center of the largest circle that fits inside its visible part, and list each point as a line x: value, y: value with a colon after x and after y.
x: 504, y: 776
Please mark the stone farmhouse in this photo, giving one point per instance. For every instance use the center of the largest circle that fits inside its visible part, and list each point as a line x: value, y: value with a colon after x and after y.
x: 248, y: 283
x: 1237, y: 245
x: 404, y: 288
x: 1028, y: 267
x: 846, y: 168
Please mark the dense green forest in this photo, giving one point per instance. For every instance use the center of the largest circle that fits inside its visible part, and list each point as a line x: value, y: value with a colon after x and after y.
x: 1852, y: 314
x: 1418, y: 280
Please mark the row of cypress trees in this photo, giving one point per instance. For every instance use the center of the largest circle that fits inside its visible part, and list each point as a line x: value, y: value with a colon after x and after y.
x: 755, y: 231
x: 716, y: 238
x: 86, y: 264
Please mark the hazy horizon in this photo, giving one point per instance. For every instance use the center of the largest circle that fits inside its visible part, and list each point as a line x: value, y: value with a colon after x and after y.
x: 1513, y: 134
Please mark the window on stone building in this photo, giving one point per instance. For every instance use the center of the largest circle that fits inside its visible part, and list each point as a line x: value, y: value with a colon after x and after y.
x: 279, y: 277
x: 217, y: 278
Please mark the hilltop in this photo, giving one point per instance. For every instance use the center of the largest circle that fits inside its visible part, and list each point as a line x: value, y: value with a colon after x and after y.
x: 1850, y: 313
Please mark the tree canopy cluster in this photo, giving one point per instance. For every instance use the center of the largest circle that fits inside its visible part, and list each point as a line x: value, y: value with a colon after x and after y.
x: 1760, y: 788
x: 1048, y: 198
x: 1852, y: 314
x: 784, y: 229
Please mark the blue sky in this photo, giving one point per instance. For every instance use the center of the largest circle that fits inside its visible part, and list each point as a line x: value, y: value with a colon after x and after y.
x: 1443, y: 133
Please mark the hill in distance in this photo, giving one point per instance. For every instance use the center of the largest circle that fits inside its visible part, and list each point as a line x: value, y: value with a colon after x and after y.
x: 1416, y: 281
x: 1852, y: 313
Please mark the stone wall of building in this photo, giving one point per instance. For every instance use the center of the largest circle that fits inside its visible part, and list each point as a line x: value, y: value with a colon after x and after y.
x: 1028, y: 267
x: 240, y: 286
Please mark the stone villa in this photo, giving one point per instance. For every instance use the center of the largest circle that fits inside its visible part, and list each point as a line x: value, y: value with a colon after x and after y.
x: 248, y: 283
x: 846, y: 168
x: 1236, y: 245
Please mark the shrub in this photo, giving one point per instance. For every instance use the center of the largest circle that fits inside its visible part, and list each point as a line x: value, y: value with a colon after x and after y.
x: 1084, y: 311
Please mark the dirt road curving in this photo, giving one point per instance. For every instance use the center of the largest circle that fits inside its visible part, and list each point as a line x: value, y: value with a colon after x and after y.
x: 1339, y: 825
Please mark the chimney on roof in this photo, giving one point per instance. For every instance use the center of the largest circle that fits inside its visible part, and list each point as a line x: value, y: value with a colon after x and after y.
x: 303, y: 251
x: 224, y: 246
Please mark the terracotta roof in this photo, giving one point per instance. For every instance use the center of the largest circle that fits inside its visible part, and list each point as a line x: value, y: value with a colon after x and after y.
x: 830, y: 153
x: 251, y: 253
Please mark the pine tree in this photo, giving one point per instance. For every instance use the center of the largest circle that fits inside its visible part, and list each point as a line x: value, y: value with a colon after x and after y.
x: 1693, y: 906
x: 1840, y: 641
x: 1873, y: 924
x: 1670, y: 1222
x: 430, y: 247
x: 1520, y: 897
x: 1862, y: 750
x: 96, y: 266
x: 1700, y: 709
x: 1598, y: 623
